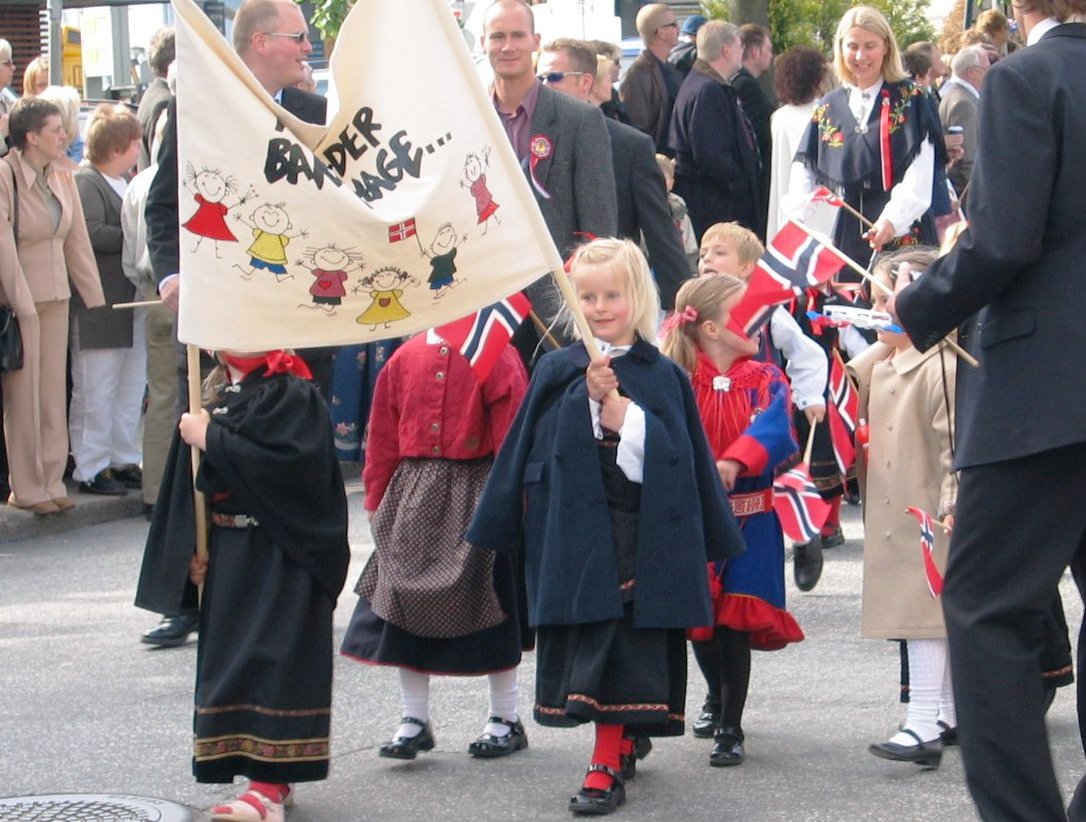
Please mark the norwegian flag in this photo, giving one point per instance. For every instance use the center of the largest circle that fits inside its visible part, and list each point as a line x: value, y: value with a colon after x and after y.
x: 842, y: 414
x: 927, y: 548
x: 793, y: 261
x: 799, y: 506
x: 401, y: 231
x: 824, y: 195
x: 481, y: 337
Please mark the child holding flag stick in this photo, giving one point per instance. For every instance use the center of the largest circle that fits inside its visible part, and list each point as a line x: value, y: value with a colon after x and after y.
x: 746, y: 409
x: 908, y: 400
x: 606, y: 484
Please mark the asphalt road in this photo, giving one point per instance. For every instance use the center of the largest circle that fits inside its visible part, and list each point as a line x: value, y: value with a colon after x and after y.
x: 85, y: 708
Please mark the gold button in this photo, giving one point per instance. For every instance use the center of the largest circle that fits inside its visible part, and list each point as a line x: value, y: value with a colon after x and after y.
x: 893, y: 390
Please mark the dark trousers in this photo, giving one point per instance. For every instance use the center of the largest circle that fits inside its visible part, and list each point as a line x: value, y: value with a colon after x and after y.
x: 1019, y: 524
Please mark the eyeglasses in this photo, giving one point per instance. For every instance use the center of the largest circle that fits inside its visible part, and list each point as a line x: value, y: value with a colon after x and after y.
x: 559, y: 76
x: 298, y: 37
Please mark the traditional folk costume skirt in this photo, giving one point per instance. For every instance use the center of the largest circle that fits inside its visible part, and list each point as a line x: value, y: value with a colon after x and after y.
x: 263, y: 665
x: 611, y: 672
x: 429, y: 601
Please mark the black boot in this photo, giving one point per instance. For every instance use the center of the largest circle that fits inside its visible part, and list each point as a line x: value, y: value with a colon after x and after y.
x: 807, y: 563
x: 171, y: 631
x: 728, y: 748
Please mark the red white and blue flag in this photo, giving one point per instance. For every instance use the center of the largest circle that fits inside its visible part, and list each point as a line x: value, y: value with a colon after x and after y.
x: 481, y: 337
x: 842, y: 415
x: 927, y: 549
x: 799, y: 506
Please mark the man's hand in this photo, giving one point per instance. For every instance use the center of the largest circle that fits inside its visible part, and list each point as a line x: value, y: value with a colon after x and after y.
x: 170, y: 291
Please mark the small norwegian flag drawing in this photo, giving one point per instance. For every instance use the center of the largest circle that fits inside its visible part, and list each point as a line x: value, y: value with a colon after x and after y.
x: 793, y: 261
x: 401, y: 231
x: 799, y: 506
x: 481, y: 337
x: 927, y: 548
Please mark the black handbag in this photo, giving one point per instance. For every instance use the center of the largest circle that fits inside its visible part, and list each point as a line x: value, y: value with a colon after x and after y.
x: 11, y: 338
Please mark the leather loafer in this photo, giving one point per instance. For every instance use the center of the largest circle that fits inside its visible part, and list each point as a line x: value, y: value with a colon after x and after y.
x: 172, y: 631
x: 728, y: 749
x: 833, y: 538
x: 104, y: 485
x: 598, y: 801
x: 642, y: 747
x: 130, y: 476
x: 948, y: 735
x: 924, y: 754
x: 807, y: 564
x: 705, y: 725
x: 408, y: 747
x: 488, y: 746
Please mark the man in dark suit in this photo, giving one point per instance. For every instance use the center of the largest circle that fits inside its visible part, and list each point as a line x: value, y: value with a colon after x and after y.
x: 651, y: 82
x: 265, y: 37
x: 561, y: 143
x: 716, y: 159
x: 569, y: 66
x: 160, y: 56
x: 755, y: 105
x: 1021, y: 431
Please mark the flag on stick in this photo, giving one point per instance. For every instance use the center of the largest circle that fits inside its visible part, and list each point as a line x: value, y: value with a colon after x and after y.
x: 799, y: 506
x: 401, y: 231
x: 482, y: 336
x: 927, y: 549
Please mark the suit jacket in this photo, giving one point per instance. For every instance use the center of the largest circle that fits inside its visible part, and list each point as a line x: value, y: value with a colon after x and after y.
x: 643, y: 208
x: 103, y: 327
x: 154, y: 100
x: 960, y: 107
x: 579, y: 177
x: 716, y: 162
x: 38, y: 267
x: 648, y: 105
x: 1020, y: 262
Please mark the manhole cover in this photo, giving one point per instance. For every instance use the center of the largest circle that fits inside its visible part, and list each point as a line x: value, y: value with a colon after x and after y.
x: 91, y: 807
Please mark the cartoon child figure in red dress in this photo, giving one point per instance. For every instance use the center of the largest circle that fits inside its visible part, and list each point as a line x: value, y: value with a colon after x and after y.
x: 211, y: 188
x: 329, y: 266
x: 475, y: 167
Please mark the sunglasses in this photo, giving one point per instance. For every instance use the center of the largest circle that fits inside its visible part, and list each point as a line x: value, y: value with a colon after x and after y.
x: 559, y: 76
x: 298, y: 37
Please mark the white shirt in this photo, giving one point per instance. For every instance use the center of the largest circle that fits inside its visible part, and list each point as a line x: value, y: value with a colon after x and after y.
x: 135, y: 260
x: 631, y: 446
x: 958, y: 81
x: 807, y: 367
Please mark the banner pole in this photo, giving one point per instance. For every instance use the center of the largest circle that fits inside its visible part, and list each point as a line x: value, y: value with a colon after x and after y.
x: 193, y: 357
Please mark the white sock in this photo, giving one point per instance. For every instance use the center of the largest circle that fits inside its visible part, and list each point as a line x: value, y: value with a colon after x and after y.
x: 414, y: 701
x: 927, y: 665
x: 504, y: 694
x: 947, y: 712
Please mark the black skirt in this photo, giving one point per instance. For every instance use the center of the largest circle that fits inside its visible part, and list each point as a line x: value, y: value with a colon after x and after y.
x: 263, y: 665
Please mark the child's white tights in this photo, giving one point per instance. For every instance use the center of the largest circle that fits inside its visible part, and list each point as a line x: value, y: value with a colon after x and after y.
x: 415, y: 700
x: 930, y: 696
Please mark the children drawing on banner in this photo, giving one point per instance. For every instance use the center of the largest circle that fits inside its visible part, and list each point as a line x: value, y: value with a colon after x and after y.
x: 729, y: 248
x: 475, y: 166
x: 442, y: 254
x: 907, y: 398
x: 268, y: 252
x: 615, y: 502
x: 429, y: 604
x: 330, y: 267
x: 746, y: 409
x: 386, y: 307
x: 276, y: 564
x: 211, y: 188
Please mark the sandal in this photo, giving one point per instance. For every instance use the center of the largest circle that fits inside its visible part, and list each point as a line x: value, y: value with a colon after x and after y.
x: 252, y: 806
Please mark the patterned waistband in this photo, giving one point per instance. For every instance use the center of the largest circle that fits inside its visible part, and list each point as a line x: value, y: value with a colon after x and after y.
x: 743, y: 505
x: 233, y: 520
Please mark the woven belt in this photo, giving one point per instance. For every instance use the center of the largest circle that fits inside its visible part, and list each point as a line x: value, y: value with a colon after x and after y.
x: 233, y: 520
x: 744, y: 505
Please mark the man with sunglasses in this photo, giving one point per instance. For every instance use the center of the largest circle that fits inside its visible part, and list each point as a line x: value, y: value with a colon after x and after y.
x: 271, y: 37
x: 651, y: 83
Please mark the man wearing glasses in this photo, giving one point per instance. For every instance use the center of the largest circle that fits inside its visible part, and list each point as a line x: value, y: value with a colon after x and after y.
x: 271, y: 37
x: 651, y: 83
x: 7, y: 96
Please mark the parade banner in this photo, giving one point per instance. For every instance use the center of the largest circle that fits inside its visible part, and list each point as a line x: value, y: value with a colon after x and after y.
x: 408, y: 210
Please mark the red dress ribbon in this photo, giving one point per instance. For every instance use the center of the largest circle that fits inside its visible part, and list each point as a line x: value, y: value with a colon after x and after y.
x: 884, y: 142
x: 277, y: 362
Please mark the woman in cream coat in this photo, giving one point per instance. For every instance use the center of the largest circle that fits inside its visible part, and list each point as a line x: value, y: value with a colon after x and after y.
x: 52, y: 247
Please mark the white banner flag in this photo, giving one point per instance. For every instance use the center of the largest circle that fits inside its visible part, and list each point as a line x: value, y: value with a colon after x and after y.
x: 407, y: 211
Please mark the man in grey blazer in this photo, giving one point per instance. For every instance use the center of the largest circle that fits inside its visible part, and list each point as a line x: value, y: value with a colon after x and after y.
x: 569, y: 66
x: 561, y: 143
x: 960, y: 105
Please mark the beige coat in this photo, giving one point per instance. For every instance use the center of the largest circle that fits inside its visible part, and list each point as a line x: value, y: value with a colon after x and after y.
x: 908, y: 406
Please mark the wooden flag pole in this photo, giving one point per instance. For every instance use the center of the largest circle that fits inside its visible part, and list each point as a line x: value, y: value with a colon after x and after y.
x: 193, y: 356
x: 810, y: 446
x: 137, y: 304
x: 855, y: 266
x: 561, y: 279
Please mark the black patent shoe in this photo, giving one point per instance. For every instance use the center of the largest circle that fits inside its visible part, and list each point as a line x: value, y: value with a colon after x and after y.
x: 488, y: 746
x: 834, y: 538
x: 172, y: 631
x: 705, y: 725
x: 596, y: 800
x: 948, y: 735
x: 728, y: 748
x: 408, y: 747
x: 642, y: 747
x: 807, y: 564
x: 924, y: 754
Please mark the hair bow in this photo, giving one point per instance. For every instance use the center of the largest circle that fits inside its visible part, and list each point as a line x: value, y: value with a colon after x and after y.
x: 687, y: 315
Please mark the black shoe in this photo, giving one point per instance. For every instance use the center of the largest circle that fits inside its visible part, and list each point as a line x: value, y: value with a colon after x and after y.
x: 852, y: 491
x: 728, y: 749
x: 130, y: 476
x: 807, y: 564
x: 833, y: 539
x: 408, y: 747
x: 148, y: 511
x: 705, y: 725
x: 488, y: 746
x: 924, y: 754
x: 949, y: 735
x: 642, y: 747
x: 172, y: 631
x: 103, y: 484
x: 596, y: 800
